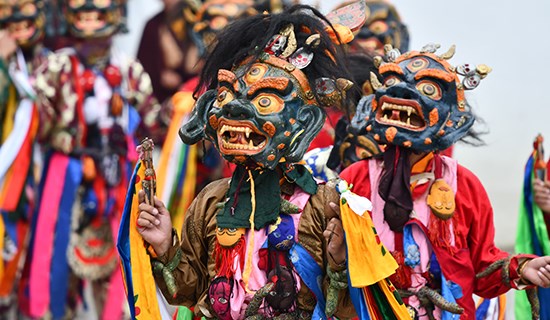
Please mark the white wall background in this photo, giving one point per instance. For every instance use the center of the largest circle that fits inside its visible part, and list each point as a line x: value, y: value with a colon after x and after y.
x: 514, y: 100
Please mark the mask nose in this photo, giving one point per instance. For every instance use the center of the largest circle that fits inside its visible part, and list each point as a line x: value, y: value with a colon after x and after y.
x: 238, y: 110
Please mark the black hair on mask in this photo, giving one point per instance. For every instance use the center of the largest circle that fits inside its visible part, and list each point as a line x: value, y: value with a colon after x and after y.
x: 248, y: 37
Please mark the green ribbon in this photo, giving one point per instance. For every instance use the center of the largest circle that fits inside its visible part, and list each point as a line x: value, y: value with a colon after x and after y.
x: 237, y: 209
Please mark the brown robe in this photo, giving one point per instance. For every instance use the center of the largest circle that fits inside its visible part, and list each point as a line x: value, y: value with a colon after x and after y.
x: 196, y: 268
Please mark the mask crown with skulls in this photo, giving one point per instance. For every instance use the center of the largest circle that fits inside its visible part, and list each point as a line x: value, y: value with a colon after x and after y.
x: 263, y: 106
x: 25, y: 20
x: 86, y: 19
x: 420, y: 102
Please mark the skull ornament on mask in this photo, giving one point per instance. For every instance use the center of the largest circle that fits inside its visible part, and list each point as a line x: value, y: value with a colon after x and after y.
x: 419, y: 105
x: 259, y: 115
x: 95, y: 18
x: 24, y: 20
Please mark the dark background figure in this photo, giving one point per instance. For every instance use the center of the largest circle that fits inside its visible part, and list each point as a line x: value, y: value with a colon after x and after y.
x: 166, y: 50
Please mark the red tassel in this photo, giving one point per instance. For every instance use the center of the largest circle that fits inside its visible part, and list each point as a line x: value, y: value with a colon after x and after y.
x: 440, y: 234
x: 225, y: 257
x: 402, y: 276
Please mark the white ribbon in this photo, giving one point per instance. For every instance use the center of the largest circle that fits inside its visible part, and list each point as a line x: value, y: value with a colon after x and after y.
x: 16, y: 138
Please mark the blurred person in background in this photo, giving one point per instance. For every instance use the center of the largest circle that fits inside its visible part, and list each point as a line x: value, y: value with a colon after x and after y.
x: 93, y: 103
x: 533, y: 230
x: 23, y: 27
x: 167, y: 51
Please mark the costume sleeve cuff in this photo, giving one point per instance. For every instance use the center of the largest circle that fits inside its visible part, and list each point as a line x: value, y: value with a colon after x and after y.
x: 170, y: 253
x: 516, y: 263
x: 164, y: 266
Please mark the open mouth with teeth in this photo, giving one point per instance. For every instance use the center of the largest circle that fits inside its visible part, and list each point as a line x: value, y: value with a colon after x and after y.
x: 401, y: 113
x: 240, y: 138
x: 89, y: 21
x: 22, y: 30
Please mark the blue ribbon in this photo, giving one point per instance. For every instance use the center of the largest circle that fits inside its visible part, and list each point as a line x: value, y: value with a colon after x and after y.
x: 59, y: 281
x: 312, y: 275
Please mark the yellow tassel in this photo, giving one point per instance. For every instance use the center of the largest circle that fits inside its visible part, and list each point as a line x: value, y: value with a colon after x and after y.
x: 10, y: 114
x: 250, y: 249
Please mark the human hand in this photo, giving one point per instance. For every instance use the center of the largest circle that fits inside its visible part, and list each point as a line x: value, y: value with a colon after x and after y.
x: 154, y: 224
x: 334, y: 235
x: 7, y: 45
x: 541, y: 191
x: 537, y: 271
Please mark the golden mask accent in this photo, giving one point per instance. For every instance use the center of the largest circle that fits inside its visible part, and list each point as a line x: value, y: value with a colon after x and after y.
x: 213, y: 120
x: 390, y: 134
x: 228, y: 237
x: 441, y: 200
x: 269, y: 128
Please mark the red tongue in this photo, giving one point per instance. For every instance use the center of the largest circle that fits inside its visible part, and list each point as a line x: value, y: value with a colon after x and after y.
x: 395, y: 115
x: 237, y: 137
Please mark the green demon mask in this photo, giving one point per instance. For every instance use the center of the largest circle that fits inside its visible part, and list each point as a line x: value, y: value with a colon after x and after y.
x: 261, y: 114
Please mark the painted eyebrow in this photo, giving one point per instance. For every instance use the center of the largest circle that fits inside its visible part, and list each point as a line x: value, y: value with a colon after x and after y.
x: 276, y: 83
x: 434, y: 73
x: 390, y: 67
x: 228, y: 77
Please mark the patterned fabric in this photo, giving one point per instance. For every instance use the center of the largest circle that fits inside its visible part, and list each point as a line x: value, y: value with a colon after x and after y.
x: 90, y: 117
x: 18, y: 129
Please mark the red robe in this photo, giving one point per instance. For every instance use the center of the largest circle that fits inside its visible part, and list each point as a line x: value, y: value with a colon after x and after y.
x: 474, y: 238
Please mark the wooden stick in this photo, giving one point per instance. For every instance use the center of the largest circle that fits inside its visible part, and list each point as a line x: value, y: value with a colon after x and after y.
x: 149, y: 182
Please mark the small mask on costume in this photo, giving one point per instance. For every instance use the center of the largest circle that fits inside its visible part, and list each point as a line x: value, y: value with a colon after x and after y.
x: 95, y: 18
x: 282, y: 236
x: 383, y: 27
x: 419, y: 104
x: 283, y: 295
x: 219, y: 294
x: 441, y: 199
x: 228, y: 237
x: 24, y: 20
x: 256, y: 119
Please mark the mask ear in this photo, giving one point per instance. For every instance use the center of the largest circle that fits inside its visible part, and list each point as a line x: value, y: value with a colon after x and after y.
x: 311, y: 118
x: 193, y: 131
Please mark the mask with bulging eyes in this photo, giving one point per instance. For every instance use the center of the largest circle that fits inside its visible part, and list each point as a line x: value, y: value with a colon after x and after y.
x: 214, y: 15
x: 419, y: 104
x: 283, y: 296
x: 259, y: 115
x: 219, y: 294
